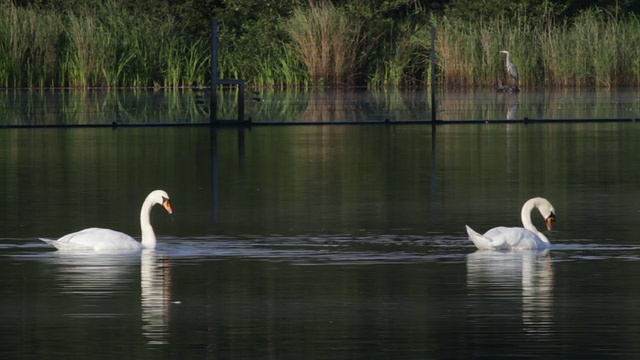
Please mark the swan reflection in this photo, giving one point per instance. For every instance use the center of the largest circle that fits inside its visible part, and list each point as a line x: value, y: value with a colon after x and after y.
x: 155, y: 285
x: 528, y: 272
x: 94, y: 275
x: 98, y: 282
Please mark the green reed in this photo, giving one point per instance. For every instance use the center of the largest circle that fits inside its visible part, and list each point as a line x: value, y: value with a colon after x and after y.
x: 106, y: 46
x: 401, y: 58
x: 29, y: 42
x: 328, y: 41
x: 594, y: 49
x: 320, y: 44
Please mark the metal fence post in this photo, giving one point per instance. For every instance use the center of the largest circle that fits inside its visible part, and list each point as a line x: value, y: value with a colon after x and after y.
x: 433, y: 75
x: 213, y: 108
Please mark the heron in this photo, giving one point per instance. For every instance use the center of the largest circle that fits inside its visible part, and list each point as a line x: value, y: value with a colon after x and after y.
x: 511, y: 69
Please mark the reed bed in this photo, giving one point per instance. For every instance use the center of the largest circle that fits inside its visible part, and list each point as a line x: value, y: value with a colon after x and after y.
x: 328, y: 41
x: 99, y: 47
x: 29, y: 43
x: 402, y: 58
x: 318, y: 44
x: 594, y: 49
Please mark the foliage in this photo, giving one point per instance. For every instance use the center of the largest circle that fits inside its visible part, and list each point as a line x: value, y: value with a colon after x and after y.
x: 103, y: 46
x: 142, y: 43
x: 329, y: 43
x: 595, y: 49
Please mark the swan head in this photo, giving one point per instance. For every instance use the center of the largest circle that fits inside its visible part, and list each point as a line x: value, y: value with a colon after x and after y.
x: 547, y: 211
x: 504, y: 52
x: 549, y: 220
x: 162, y: 198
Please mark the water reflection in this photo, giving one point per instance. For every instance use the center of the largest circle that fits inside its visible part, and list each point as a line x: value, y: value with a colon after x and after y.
x: 155, y: 285
x: 94, y: 275
x: 97, y: 280
x: 105, y: 108
x: 509, y: 102
x: 529, y: 273
x: 513, y: 110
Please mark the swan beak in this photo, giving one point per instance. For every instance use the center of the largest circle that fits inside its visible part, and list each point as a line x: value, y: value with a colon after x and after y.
x: 550, y: 221
x: 167, y: 206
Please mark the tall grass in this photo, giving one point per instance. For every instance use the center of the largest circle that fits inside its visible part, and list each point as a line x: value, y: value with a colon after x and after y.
x: 319, y: 44
x: 29, y: 43
x: 594, y: 49
x: 402, y: 58
x: 329, y: 43
x: 107, y: 46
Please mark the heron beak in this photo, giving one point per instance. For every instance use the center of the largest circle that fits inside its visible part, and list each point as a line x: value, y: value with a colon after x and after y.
x: 167, y: 206
x: 549, y: 221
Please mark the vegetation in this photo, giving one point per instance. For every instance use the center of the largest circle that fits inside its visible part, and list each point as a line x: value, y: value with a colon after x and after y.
x: 103, y: 46
x: 593, y: 49
x: 328, y: 42
x: 147, y: 43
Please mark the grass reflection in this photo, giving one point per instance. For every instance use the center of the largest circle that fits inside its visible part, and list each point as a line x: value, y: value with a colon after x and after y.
x: 309, y: 105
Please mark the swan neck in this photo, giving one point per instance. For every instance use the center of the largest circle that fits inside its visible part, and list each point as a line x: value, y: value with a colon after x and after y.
x: 148, y: 236
x: 525, y: 215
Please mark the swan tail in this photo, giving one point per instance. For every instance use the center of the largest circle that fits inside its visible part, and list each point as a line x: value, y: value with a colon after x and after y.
x: 48, y: 241
x: 54, y: 243
x: 481, y: 242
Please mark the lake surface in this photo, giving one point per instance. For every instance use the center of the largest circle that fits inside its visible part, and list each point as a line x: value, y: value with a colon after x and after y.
x: 322, y: 242
x: 189, y: 107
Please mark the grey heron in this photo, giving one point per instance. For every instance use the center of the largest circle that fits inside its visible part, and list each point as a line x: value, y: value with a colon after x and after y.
x: 511, y: 69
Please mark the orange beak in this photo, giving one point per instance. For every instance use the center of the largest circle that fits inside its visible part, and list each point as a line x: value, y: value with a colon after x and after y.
x: 167, y: 206
x: 550, y: 221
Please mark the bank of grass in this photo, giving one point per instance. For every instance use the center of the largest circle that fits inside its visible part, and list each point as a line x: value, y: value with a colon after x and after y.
x: 330, y: 43
x: 99, y: 47
x: 319, y: 44
x: 29, y: 43
x: 402, y: 59
x: 594, y: 49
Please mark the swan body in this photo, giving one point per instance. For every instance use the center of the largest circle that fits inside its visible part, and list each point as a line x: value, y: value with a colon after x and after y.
x: 518, y: 238
x: 98, y: 239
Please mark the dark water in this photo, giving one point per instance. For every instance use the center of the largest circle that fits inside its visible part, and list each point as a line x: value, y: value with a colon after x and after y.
x: 322, y: 242
x: 98, y: 107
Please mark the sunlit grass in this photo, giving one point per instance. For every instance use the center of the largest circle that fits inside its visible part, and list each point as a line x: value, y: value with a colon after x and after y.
x: 319, y: 44
x: 595, y: 49
x: 100, y: 47
x: 328, y: 42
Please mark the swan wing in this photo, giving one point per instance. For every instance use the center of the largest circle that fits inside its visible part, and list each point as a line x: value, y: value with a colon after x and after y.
x: 95, y: 239
x: 517, y: 238
x: 482, y: 242
x: 507, y: 238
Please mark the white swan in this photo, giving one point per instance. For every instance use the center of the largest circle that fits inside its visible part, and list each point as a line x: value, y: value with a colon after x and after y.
x: 97, y: 239
x: 515, y: 238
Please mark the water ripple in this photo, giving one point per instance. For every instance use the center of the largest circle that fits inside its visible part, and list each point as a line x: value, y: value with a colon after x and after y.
x: 337, y: 249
